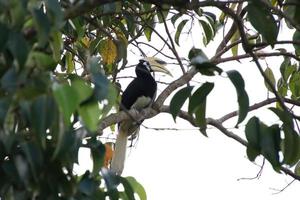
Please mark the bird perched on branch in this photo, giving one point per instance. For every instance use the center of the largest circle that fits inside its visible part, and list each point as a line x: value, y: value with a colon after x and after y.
x: 139, y: 94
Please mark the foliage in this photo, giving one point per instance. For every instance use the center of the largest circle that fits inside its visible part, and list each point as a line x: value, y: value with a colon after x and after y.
x: 59, y: 65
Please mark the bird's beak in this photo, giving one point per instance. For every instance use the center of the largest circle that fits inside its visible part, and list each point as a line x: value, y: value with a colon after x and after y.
x: 158, y: 65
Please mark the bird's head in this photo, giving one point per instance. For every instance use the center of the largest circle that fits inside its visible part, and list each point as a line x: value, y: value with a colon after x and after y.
x: 151, y: 64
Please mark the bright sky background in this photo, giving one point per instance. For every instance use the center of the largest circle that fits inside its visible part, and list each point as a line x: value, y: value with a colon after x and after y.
x: 183, y: 164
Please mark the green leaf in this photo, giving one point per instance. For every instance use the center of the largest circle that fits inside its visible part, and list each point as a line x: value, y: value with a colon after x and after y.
x: 56, y: 45
x: 81, y: 88
x: 199, y: 96
x: 66, y: 99
x: 207, y: 31
x: 263, y: 21
x: 294, y: 84
x: 243, y: 99
x: 269, y: 74
x: 297, y: 169
x: 270, y: 144
x: 291, y: 146
x: 127, y: 188
x: 41, y: 117
x: 43, y: 26
x: 178, y: 100
x: 252, y: 132
x: 179, y: 29
x: 70, y: 65
x: 4, y: 35
x: 18, y: 47
x: 200, y: 114
x: 137, y: 188
x: 42, y: 60
x: 296, y: 37
x: 98, y: 153
x: 236, y: 36
x: 54, y: 10
x: 175, y: 17
x: 4, y: 106
x: 90, y: 114
x: 284, y: 116
x: 282, y: 87
x: 148, y: 31
x: 286, y: 68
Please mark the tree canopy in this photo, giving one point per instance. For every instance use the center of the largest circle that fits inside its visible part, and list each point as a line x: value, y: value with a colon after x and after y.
x: 60, y: 63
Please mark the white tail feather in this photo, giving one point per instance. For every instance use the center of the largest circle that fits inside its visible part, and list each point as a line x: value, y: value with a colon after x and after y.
x: 118, y: 160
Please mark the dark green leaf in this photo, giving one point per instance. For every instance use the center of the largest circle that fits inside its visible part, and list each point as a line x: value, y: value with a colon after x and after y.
x: 4, y: 106
x: 43, y: 26
x: 178, y: 100
x: 179, y: 30
x: 207, y: 31
x: 175, y: 17
x: 18, y: 47
x: 200, y: 114
x: 291, y: 146
x: 54, y: 10
x: 199, y: 96
x: 252, y: 132
x: 42, y: 113
x: 296, y: 37
x: 271, y: 77
x: 4, y: 35
x: 98, y: 152
x: 243, y: 100
x: 263, y: 21
x: 270, y: 144
x: 87, y: 185
x: 284, y: 116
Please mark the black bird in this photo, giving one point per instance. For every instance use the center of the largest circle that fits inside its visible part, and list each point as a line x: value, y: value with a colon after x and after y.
x: 139, y: 94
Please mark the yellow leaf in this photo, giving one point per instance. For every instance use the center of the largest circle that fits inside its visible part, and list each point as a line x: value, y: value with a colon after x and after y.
x: 108, y: 51
x: 86, y: 41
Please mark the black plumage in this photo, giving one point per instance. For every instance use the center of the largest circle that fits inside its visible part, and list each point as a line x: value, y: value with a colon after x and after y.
x: 143, y: 85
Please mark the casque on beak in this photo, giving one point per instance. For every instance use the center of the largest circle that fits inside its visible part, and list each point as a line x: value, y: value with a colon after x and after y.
x: 157, y: 65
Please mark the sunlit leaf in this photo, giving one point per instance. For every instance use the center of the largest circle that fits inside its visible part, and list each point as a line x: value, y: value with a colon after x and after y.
x: 108, y: 51
x: 178, y: 100
x: 243, y: 99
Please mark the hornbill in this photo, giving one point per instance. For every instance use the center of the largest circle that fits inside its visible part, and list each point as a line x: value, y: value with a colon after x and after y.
x: 139, y: 94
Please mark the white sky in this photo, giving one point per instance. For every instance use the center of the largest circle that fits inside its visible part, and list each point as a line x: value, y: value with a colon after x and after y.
x: 183, y: 164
